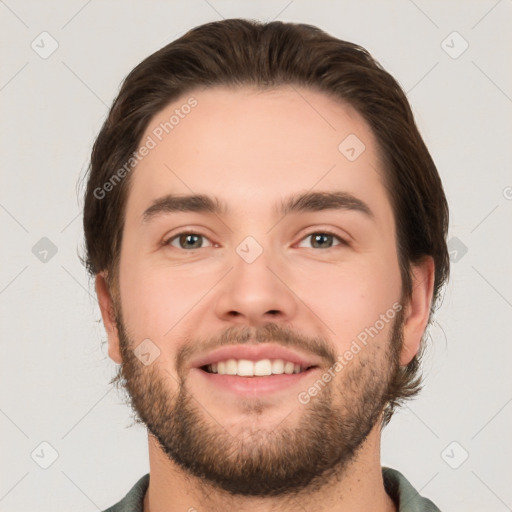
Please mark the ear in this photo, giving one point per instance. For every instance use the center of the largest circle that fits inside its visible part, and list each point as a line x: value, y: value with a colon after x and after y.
x: 107, y: 313
x: 417, y: 311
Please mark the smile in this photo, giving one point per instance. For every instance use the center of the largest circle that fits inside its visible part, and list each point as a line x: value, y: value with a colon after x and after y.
x: 261, y: 368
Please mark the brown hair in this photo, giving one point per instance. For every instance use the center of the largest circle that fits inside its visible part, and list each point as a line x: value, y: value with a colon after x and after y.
x: 237, y: 52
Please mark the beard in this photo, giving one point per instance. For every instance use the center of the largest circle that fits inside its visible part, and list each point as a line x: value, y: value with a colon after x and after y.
x: 253, y: 461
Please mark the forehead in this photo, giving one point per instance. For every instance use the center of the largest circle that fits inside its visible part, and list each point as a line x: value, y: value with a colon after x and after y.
x: 251, y: 148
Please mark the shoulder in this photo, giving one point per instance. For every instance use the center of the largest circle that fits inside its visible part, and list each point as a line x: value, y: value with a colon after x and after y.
x: 407, y: 498
x: 133, y: 501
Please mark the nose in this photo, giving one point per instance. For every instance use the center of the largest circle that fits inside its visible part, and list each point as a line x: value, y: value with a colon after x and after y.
x: 256, y: 292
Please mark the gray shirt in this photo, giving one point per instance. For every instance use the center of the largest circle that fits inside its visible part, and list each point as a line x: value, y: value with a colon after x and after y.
x: 405, y: 496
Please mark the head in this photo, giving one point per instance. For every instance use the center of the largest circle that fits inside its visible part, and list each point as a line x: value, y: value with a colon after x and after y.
x: 253, y: 115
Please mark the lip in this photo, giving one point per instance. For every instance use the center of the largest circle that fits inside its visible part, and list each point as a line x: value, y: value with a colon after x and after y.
x: 256, y: 353
x: 253, y: 386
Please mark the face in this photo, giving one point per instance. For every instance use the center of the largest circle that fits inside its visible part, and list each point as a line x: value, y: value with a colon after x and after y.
x: 253, y: 278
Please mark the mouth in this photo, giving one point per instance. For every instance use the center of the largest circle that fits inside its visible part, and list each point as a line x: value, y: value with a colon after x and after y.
x: 254, y: 369
x: 253, y: 379
x: 251, y: 370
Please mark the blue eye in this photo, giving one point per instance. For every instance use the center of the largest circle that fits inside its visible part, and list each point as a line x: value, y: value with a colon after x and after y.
x: 323, y: 240
x: 187, y: 241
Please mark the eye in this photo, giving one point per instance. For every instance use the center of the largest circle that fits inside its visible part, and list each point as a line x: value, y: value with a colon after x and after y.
x: 323, y: 240
x: 187, y: 241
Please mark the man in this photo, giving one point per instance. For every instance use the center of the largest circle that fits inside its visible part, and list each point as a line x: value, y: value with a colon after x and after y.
x: 267, y: 232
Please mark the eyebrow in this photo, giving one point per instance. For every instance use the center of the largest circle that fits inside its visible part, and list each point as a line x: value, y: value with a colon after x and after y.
x: 306, y: 202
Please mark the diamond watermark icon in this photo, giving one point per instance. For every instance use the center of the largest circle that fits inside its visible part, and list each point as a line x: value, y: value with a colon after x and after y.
x: 454, y: 455
x: 249, y: 249
x: 44, y: 45
x: 351, y: 147
x: 457, y: 249
x: 147, y: 352
x: 44, y: 250
x: 44, y: 455
x: 454, y: 45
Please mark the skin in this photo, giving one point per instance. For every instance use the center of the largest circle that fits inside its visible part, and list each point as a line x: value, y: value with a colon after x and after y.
x: 251, y: 149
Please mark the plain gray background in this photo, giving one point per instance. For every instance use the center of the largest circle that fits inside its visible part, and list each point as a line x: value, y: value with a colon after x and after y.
x: 453, y: 443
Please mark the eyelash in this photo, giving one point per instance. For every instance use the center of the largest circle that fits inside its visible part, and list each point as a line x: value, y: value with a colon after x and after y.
x: 343, y: 242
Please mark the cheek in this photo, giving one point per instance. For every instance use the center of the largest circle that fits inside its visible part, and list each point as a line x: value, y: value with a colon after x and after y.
x: 150, y: 306
x: 350, y: 300
x: 158, y: 300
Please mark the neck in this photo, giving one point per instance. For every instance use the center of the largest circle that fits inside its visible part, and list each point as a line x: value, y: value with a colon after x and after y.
x: 361, y: 487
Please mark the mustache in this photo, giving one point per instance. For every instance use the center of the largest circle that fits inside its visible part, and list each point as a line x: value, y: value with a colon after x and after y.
x: 266, y: 333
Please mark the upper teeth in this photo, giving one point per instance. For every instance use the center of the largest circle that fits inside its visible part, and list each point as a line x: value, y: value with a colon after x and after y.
x: 246, y: 368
